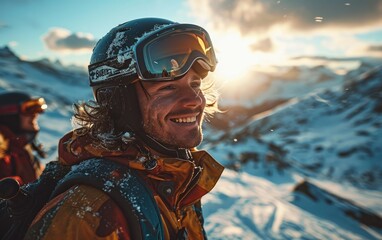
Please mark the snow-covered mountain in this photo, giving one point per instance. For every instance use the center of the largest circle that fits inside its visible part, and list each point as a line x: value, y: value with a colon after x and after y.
x: 303, y: 154
x: 330, y: 135
x: 334, y: 133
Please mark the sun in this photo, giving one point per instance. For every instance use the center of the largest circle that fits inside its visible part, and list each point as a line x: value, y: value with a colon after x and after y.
x: 235, y: 58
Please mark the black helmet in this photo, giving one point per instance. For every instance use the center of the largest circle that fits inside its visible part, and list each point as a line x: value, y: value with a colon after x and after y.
x: 145, y: 49
x: 12, y: 104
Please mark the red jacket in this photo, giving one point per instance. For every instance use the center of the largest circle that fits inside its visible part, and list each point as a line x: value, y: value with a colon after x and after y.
x: 16, y: 158
x: 83, y: 212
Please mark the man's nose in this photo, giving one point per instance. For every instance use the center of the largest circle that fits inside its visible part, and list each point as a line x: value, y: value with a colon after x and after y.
x: 191, y: 97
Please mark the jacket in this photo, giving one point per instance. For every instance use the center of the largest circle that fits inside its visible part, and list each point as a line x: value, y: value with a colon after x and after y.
x: 83, y: 212
x: 16, y: 157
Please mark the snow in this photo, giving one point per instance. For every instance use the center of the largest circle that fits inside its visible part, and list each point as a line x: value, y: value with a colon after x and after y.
x: 301, y: 140
x: 243, y: 206
x: 117, y: 43
x: 330, y: 136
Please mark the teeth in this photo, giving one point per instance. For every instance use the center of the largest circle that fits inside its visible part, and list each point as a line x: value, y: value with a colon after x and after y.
x: 185, y: 120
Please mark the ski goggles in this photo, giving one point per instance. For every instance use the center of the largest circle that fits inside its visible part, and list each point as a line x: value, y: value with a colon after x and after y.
x: 162, y: 55
x: 37, y: 105
x: 29, y: 107
x: 170, y: 53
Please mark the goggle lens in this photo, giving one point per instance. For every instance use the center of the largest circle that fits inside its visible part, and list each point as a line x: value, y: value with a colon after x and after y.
x: 166, y: 58
x: 33, y: 106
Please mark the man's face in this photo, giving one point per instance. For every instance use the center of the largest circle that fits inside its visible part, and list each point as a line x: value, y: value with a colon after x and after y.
x: 173, y: 111
x: 28, y: 122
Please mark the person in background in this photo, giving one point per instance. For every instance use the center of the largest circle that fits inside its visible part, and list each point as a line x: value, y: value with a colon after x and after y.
x: 151, y: 96
x: 18, y: 130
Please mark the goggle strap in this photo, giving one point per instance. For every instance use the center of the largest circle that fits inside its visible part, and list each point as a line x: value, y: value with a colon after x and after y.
x: 110, y: 69
x: 9, y: 109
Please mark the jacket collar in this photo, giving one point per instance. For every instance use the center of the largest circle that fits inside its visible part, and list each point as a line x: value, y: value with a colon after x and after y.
x: 180, y: 182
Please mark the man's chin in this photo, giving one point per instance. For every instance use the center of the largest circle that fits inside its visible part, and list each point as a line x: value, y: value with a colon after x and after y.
x: 173, y: 139
x: 181, y: 143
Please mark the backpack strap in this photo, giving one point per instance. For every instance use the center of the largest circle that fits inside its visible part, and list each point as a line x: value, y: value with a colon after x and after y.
x: 127, y: 190
x: 16, y: 214
x: 198, y: 209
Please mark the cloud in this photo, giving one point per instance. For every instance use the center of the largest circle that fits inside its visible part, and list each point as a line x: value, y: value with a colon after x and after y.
x: 60, y: 39
x: 349, y: 45
x: 260, y: 16
x: 264, y: 45
x: 375, y: 48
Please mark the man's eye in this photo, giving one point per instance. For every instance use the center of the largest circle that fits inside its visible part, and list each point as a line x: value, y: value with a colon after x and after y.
x: 168, y: 87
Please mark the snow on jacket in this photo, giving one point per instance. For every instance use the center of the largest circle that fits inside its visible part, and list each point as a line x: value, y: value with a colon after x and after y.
x: 84, y: 212
x: 16, y: 158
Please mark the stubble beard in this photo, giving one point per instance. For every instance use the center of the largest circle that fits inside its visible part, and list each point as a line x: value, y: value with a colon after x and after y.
x: 191, y: 140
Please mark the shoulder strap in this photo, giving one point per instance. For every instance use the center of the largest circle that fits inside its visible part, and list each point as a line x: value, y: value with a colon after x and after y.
x: 199, y: 213
x: 17, y: 213
x: 123, y: 186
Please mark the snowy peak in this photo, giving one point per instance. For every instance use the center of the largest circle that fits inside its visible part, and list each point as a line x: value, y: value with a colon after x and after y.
x: 6, y: 53
x: 56, y: 83
x: 7, y: 56
x: 338, y: 207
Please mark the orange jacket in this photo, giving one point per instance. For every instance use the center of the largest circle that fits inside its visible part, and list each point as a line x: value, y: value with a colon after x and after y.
x: 84, y: 212
x: 16, y: 158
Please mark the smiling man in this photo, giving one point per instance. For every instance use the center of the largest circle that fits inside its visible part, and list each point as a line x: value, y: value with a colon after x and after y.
x: 139, y: 138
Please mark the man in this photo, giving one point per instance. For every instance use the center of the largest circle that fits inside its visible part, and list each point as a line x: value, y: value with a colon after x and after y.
x: 148, y: 80
x: 18, y: 130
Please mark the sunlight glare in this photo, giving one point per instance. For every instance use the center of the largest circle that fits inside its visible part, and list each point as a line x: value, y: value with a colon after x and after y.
x: 235, y: 57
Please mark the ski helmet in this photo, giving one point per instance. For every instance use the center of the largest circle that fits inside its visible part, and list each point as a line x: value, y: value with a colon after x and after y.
x: 13, y: 104
x: 146, y: 49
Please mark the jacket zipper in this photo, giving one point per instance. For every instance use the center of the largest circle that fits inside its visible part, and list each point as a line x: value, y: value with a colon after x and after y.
x: 190, y: 185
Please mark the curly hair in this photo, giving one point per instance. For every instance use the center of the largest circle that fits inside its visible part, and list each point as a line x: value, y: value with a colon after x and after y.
x: 97, y: 119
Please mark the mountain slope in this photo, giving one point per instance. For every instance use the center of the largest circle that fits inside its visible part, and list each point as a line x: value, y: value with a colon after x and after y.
x: 243, y: 206
x: 331, y: 136
x: 332, y: 133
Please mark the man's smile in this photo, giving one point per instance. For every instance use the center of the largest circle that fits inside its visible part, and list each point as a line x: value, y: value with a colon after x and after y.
x: 184, y: 120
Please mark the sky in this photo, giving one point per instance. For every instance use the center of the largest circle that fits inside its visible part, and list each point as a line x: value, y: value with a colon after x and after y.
x: 245, y: 33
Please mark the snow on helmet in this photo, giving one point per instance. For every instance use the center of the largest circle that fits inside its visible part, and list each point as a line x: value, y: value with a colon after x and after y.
x: 112, y: 62
x: 13, y: 104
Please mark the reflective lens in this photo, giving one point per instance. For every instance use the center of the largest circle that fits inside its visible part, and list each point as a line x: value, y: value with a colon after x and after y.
x: 33, y: 106
x: 172, y: 54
